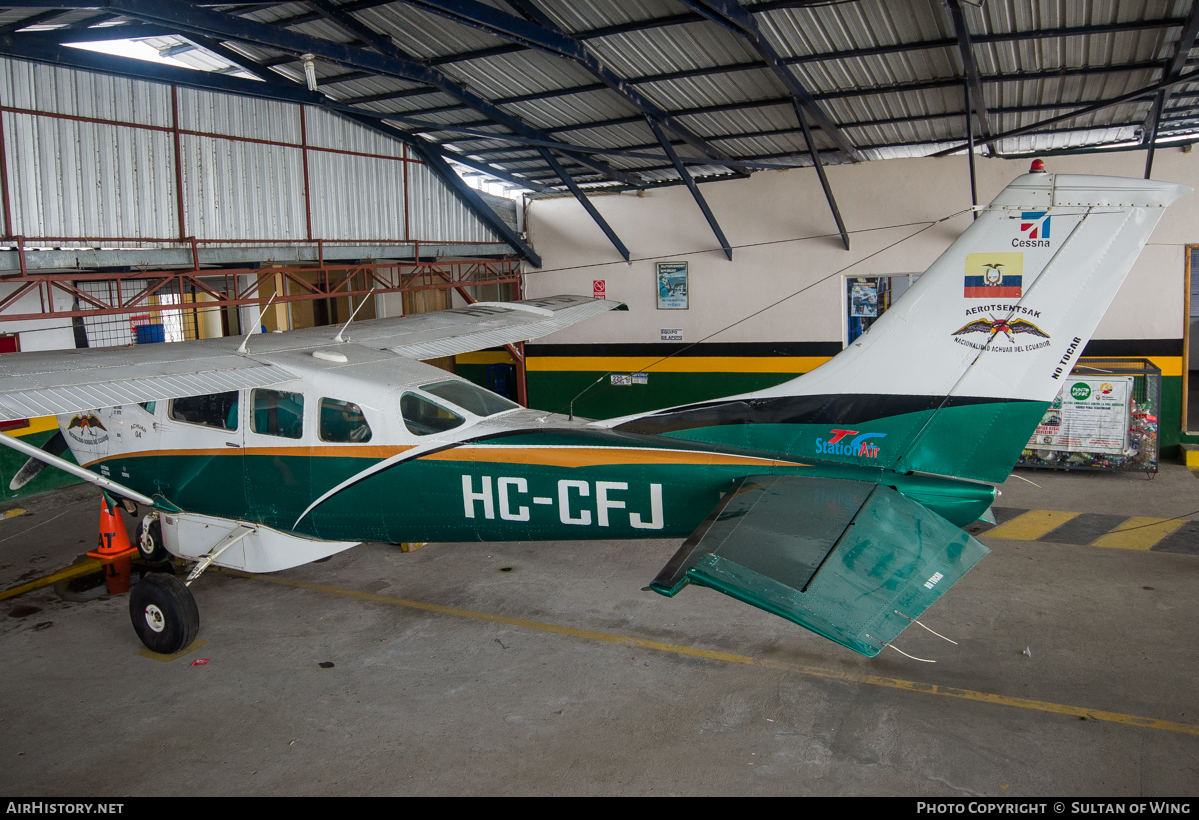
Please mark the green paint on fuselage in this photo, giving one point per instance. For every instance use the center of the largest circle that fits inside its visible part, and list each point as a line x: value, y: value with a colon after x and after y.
x: 977, y: 441
x: 425, y: 499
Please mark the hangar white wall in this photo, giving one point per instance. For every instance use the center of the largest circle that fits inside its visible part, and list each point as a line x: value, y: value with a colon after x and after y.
x: 876, y: 200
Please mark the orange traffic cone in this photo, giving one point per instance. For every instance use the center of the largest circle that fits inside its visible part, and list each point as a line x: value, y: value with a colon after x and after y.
x: 114, y: 540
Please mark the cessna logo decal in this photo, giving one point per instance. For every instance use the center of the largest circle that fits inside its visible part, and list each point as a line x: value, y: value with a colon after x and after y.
x: 572, y: 508
x: 859, y: 446
x: 90, y: 430
x: 1034, y: 230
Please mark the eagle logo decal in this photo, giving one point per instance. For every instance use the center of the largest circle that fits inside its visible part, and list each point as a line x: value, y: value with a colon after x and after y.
x: 1008, y: 327
x: 88, y: 422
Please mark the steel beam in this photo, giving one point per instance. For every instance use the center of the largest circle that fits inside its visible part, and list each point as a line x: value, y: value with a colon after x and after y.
x: 969, y: 68
x: 1186, y: 41
x: 733, y: 16
x: 1087, y: 109
x: 543, y: 35
x: 560, y: 172
x: 187, y: 18
x: 681, y: 170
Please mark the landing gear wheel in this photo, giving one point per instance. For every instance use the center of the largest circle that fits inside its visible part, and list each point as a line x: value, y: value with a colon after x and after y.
x: 148, y: 540
x: 164, y: 613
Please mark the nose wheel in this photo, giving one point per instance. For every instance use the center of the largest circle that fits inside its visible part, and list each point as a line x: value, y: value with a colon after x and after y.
x: 164, y: 613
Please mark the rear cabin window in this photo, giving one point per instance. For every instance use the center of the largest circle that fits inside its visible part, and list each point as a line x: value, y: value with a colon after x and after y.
x: 422, y: 417
x: 470, y: 397
x: 278, y: 414
x: 343, y: 422
x: 217, y: 410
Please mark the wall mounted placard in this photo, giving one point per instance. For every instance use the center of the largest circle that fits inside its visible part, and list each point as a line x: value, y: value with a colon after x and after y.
x: 672, y: 285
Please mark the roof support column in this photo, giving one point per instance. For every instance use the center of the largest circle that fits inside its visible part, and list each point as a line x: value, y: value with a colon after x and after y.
x: 970, y: 152
x: 566, y: 178
x: 819, y: 166
x: 681, y: 170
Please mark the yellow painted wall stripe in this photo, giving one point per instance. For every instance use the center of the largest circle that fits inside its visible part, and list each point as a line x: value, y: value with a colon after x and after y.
x: 728, y: 657
x: 1138, y: 533
x: 1031, y: 525
x: 678, y: 364
x: 484, y: 357
x: 1170, y: 365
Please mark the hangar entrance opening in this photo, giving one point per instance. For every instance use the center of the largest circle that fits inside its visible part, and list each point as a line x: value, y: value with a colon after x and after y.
x: 868, y: 297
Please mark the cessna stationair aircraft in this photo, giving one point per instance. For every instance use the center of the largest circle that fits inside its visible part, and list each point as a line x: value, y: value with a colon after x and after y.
x: 834, y: 500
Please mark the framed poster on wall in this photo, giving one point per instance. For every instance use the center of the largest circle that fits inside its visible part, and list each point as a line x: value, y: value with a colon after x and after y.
x: 672, y: 285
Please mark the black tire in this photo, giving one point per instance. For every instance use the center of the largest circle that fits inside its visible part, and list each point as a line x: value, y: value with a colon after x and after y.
x: 164, y: 613
x: 148, y: 541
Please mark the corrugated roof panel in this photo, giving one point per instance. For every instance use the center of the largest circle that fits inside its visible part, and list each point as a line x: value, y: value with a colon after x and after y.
x: 423, y: 34
x: 583, y: 15
x: 654, y: 51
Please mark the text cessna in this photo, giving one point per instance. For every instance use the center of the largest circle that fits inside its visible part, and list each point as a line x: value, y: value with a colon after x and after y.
x: 571, y: 507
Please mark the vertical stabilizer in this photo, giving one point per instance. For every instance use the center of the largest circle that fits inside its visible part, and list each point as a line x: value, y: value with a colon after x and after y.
x: 955, y: 376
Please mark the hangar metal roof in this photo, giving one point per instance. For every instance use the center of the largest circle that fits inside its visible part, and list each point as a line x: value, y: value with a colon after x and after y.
x: 552, y: 95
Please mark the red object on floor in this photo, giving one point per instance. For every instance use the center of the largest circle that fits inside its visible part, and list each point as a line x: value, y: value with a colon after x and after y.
x: 201, y: 661
x: 117, y: 573
x: 114, y: 540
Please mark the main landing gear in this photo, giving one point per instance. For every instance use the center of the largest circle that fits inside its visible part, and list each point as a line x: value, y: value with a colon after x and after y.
x: 162, y: 608
x: 164, y: 613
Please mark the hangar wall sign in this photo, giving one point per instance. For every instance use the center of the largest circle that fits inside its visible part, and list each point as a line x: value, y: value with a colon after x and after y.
x: 1089, y: 415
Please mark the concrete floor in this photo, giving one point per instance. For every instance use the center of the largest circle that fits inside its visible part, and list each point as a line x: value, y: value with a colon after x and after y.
x: 574, y: 701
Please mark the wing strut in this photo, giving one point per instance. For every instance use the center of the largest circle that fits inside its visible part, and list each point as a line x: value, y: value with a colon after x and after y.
x: 74, y: 469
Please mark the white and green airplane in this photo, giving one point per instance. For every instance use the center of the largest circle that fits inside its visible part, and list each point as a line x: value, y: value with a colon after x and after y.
x: 835, y: 500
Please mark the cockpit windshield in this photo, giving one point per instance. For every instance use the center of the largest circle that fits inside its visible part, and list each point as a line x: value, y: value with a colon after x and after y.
x: 470, y: 397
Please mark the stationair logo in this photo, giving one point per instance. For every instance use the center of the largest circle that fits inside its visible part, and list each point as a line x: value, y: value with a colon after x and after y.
x: 858, y: 446
x: 1080, y: 391
x: 991, y: 275
x: 87, y: 429
x: 1034, y: 230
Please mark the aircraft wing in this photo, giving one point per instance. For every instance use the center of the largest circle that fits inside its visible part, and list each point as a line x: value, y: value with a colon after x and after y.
x: 67, y: 381
x: 850, y: 560
x: 475, y: 327
x: 54, y: 382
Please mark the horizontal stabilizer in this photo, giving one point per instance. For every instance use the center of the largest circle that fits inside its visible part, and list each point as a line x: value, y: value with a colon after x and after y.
x: 850, y: 560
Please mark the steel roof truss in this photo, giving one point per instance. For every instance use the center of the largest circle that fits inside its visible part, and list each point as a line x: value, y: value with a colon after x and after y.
x: 566, y: 178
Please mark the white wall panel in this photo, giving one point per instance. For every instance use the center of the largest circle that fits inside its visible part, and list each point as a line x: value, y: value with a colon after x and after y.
x: 242, y: 190
x: 234, y: 116
x: 438, y: 214
x: 81, y: 179
x: 82, y: 94
x: 356, y: 197
x: 327, y: 130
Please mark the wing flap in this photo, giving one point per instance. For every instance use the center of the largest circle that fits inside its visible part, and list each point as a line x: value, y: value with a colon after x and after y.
x: 852, y: 561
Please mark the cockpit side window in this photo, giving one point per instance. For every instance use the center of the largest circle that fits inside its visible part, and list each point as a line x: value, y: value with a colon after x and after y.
x: 277, y: 413
x: 343, y: 422
x: 470, y: 397
x: 422, y: 417
x: 217, y: 410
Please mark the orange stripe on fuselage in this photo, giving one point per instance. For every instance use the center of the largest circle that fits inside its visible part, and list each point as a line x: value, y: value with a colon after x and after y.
x: 597, y: 456
x: 327, y: 451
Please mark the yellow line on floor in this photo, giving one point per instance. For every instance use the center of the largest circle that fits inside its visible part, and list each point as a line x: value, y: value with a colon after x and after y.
x: 1031, y: 525
x: 83, y: 568
x: 728, y: 657
x: 1138, y: 533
